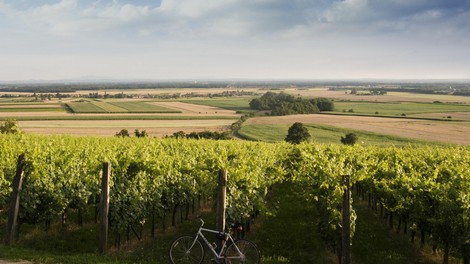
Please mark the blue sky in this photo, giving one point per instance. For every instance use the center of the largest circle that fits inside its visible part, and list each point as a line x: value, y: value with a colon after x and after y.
x: 181, y: 39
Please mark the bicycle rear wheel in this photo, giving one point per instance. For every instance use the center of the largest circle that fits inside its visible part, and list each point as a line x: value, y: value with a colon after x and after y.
x: 249, y: 253
x: 186, y: 250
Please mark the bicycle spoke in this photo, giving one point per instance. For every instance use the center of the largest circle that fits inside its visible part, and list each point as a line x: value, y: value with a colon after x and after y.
x: 183, y: 251
x: 249, y: 253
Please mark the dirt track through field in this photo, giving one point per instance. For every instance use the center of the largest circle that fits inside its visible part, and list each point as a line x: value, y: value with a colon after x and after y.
x: 449, y: 132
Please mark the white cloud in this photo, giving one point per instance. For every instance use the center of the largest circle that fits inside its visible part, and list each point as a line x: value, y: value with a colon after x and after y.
x: 68, y: 18
x: 224, y: 38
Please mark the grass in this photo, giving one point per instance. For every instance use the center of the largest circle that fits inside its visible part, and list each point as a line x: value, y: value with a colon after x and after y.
x: 80, y: 245
x: 287, y: 233
x: 324, y: 134
x: 395, y: 108
x: 373, y: 242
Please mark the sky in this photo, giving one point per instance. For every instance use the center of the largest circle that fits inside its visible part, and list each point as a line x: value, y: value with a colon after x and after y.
x: 223, y: 39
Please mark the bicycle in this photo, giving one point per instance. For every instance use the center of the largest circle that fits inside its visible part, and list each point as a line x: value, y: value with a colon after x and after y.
x: 189, y: 249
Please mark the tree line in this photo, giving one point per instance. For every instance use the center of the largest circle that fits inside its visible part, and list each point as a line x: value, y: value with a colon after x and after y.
x: 286, y: 104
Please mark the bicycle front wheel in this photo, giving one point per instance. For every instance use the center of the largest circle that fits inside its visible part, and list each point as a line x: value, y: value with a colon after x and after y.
x: 242, y: 251
x: 186, y: 249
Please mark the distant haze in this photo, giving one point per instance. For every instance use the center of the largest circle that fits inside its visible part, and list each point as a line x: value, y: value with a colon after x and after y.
x: 216, y: 39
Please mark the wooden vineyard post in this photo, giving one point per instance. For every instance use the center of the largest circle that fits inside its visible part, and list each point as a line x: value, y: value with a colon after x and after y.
x: 221, y: 200
x: 104, y: 207
x: 346, y: 231
x: 15, y: 201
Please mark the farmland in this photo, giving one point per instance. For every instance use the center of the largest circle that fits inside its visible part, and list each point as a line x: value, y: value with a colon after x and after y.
x: 394, y: 118
x: 105, y: 117
x: 440, y: 131
x: 85, y: 106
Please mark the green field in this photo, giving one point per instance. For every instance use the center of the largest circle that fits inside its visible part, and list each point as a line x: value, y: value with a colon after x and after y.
x: 85, y: 107
x: 396, y: 108
x: 324, y: 134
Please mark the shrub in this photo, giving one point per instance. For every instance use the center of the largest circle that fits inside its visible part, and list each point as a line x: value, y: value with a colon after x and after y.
x: 10, y: 126
x: 122, y: 133
x: 349, y: 139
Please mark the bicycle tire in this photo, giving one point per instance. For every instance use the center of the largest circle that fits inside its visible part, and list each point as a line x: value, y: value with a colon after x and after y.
x: 182, y: 253
x: 251, y: 254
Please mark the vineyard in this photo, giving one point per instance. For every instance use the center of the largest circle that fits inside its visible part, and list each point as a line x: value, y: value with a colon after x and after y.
x: 426, y: 190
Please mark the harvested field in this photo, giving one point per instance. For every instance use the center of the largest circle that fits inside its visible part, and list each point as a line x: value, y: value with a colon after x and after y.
x: 37, y: 105
x: 448, y: 132
x: 110, y: 127
x: 454, y: 115
x: 389, y: 97
x: 187, y: 108
x: 38, y: 114
x: 143, y: 107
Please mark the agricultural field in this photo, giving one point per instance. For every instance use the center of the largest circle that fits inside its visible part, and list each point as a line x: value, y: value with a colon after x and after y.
x: 389, y: 97
x: 428, y: 130
x: 236, y: 104
x: 106, y: 117
x: 400, y: 108
x: 101, y: 106
x: 418, y: 117
x: 324, y: 134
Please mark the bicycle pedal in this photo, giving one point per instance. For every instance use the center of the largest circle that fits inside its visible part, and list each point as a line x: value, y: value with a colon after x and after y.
x: 217, y: 261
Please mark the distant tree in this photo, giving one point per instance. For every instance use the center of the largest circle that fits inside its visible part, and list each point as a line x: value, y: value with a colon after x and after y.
x: 122, y: 133
x: 140, y: 134
x: 325, y: 104
x: 297, y: 133
x: 286, y: 104
x: 10, y: 126
x: 179, y: 134
x: 349, y: 139
x: 202, y: 135
x: 257, y: 104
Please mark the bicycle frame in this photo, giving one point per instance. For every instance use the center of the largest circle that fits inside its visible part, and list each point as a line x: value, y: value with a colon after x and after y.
x: 218, y: 255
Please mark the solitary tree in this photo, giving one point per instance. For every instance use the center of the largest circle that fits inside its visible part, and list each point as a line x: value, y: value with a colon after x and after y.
x: 297, y: 133
x: 349, y: 139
